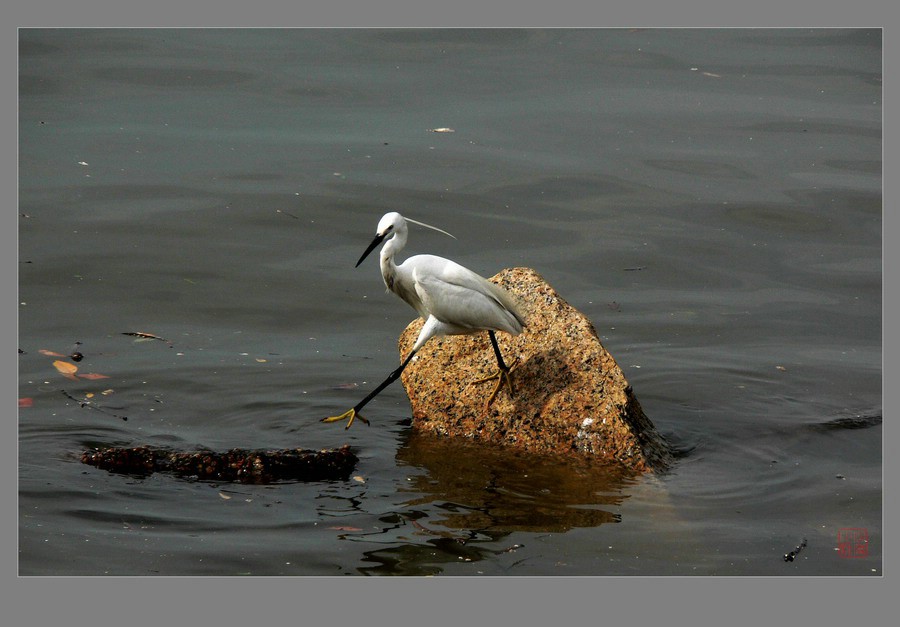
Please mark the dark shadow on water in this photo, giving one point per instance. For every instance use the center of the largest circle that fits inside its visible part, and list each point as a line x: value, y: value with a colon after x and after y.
x: 858, y: 421
x: 682, y: 446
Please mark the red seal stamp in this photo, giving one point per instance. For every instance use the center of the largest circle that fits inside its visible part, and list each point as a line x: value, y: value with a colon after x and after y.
x: 853, y: 542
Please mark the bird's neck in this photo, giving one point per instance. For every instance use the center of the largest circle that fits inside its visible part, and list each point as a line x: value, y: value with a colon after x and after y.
x: 388, y: 266
x: 388, y: 269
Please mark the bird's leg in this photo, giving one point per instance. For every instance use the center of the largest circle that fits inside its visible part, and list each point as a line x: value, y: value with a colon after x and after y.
x: 353, y: 413
x: 502, y: 374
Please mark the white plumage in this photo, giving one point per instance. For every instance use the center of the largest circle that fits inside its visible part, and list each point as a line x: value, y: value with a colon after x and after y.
x: 451, y: 299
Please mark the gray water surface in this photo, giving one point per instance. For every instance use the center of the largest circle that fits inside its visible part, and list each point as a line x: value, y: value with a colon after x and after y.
x: 711, y: 199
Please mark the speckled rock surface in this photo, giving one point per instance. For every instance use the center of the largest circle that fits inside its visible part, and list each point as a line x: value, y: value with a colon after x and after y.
x: 570, y: 395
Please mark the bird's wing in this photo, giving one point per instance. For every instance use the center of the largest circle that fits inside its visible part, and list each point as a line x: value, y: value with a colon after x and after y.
x: 457, y: 296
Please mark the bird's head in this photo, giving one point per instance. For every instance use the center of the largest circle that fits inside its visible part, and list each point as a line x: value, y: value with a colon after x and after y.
x: 390, y: 225
x: 394, y: 225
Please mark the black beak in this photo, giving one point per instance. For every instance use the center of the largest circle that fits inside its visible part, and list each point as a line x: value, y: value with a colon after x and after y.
x: 375, y: 242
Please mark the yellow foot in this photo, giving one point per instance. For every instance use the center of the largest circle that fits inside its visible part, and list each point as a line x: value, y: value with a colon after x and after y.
x: 348, y: 415
x: 502, y: 376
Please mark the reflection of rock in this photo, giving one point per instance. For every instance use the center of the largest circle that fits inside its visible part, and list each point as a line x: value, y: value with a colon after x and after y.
x: 234, y: 465
x: 496, y: 490
x: 570, y: 395
x: 424, y: 551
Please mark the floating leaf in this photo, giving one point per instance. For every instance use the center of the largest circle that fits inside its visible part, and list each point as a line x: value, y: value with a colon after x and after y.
x: 225, y: 496
x: 65, y: 367
x: 93, y: 376
x: 359, y: 479
x: 442, y: 129
x: 346, y: 528
x: 26, y: 402
x: 44, y: 351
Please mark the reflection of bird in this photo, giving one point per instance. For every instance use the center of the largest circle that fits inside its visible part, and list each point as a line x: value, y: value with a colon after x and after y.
x: 452, y: 299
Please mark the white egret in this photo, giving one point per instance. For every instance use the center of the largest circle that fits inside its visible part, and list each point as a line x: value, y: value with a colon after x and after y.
x: 451, y: 299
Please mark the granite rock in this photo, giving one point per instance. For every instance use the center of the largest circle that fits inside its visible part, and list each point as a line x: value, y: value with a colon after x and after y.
x: 570, y: 396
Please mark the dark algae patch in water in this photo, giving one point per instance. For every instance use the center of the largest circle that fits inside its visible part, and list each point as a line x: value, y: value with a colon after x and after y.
x: 234, y: 465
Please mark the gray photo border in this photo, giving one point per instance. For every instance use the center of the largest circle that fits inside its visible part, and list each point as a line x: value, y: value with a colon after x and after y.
x: 370, y: 601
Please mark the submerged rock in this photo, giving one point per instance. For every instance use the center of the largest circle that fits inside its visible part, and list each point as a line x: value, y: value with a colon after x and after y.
x: 570, y: 395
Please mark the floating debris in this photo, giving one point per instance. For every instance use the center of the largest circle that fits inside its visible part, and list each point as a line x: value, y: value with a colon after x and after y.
x: 86, y: 402
x: 140, y: 335
x: 65, y: 367
x: 285, y: 213
x: 240, y: 465
x: 789, y: 557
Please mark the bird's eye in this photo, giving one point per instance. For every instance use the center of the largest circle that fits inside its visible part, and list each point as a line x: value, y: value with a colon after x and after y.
x: 390, y: 227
